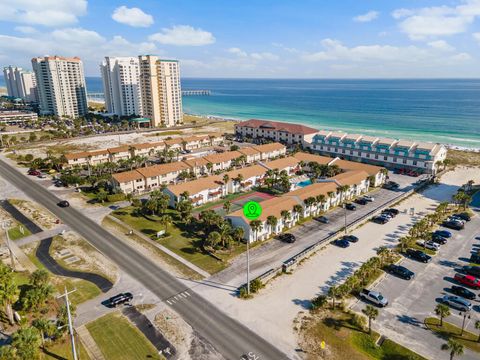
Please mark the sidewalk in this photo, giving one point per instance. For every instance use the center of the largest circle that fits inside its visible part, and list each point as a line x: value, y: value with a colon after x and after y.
x: 89, y: 343
x: 42, y: 235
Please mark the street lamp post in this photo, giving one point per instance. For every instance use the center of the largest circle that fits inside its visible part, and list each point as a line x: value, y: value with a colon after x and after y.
x: 465, y: 316
x: 345, y: 213
x: 248, y: 266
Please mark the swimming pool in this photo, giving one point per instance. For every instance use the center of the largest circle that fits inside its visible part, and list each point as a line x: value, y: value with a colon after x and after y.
x: 304, y: 183
x: 476, y: 200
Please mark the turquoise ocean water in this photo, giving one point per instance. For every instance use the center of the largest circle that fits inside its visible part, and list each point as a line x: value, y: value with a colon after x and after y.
x: 446, y: 111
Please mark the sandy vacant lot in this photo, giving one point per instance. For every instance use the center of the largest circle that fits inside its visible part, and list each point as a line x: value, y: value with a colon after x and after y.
x: 272, y: 312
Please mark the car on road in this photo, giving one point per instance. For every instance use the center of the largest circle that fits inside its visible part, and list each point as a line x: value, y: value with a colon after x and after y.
x: 361, y: 201
x: 64, y: 203
x: 288, y: 238
x: 472, y: 270
x: 119, y: 299
x: 464, y: 216
x: 322, y: 219
x: 342, y: 243
x: 445, y: 233
x: 401, y: 271
x: 439, y: 239
x: 351, y: 238
x: 391, y: 185
x: 350, y: 206
x: 369, y: 198
x: 457, y: 302
x: 428, y: 245
x: 468, y: 280
x: 461, y: 291
x: 374, y: 297
x: 418, y: 255
x: 380, y: 219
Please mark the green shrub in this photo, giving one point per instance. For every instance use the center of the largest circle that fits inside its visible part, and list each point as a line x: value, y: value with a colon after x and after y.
x: 116, y: 197
x: 319, y: 302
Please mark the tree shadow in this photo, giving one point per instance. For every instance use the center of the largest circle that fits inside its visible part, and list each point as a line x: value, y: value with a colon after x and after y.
x: 410, y: 320
x: 306, y: 304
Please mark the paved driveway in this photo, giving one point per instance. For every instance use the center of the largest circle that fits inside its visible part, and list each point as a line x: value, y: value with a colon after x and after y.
x: 412, y: 301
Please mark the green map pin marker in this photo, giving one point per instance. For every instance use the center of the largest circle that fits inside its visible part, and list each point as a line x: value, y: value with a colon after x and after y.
x: 252, y: 210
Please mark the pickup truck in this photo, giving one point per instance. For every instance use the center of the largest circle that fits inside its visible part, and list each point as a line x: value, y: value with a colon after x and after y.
x: 374, y: 297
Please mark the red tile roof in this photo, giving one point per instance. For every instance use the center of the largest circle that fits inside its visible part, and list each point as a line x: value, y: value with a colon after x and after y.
x: 278, y: 126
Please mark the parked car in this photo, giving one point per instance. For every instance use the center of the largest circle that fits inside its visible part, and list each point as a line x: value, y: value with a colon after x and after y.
x: 418, y: 255
x: 464, y: 216
x: 468, y: 280
x: 392, y: 211
x: 444, y: 233
x: 380, y: 219
x: 42, y: 176
x: 472, y: 270
x: 34, y: 172
x: 439, y: 239
x: 475, y: 258
x: 428, y: 245
x: 119, y: 299
x: 342, y: 243
x: 369, y: 198
x: 457, y: 302
x: 387, y: 215
x: 351, y: 238
x: 401, y: 271
x: 456, y: 219
x: 361, y: 201
x: 374, y: 297
x: 288, y: 238
x: 64, y: 203
x: 350, y: 206
x: 453, y: 225
x: 322, y: 219
x: 461, y: 291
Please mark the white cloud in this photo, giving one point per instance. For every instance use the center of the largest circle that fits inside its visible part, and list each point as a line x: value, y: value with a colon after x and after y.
x: 461, y: 57
x: 183, y: 35
x: 44, y: 12
x: 26, y: 29
x: 476, y: 36
x: 441, y: 45
x: 428, y: 22
x: 237, y: 51
x: 132, y: 16
x: 367, y: 17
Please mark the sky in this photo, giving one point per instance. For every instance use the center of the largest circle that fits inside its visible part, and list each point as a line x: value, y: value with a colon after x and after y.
x: 254, y: 38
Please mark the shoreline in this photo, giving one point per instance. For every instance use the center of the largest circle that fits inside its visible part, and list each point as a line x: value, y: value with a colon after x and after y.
x: 449, y: 146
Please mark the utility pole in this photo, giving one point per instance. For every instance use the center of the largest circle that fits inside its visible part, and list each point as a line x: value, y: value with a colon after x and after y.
x: 345, y: 212
x: 5, y: 226
x: 248, y: 266
x: 70, y: 326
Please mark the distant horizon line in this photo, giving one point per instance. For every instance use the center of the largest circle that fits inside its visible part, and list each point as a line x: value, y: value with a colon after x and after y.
x: 319, y: 78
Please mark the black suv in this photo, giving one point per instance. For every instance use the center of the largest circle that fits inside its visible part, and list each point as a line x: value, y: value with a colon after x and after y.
x: 361, y: 201
x: 119, y: 299
x: 464, y: 216
x: 418, y: 255
x: 461, y: 291
x: 401, y: 271
x: 63, y: 203
x: 472, y: 270
x: 439, y: 239
x: 452, y: 225
x: 350, y: 206
x: 288, y: 238
x: 351, y: 238
x: 392, y: 211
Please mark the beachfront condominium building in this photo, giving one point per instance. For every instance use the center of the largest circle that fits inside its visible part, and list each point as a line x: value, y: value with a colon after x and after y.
x: 391, y: 153
x: 121, y: 86
x: 161, y: 93
x: 61, y: 86
x: 20, y: 83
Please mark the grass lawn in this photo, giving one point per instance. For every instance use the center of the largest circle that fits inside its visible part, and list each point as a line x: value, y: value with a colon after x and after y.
x: 85, y: 290
x: 15, y: 233
x: 183, y: 240
x: 120, y: 340
x: 460, y: 157
x: 231, y: 198
x: 345, y: 340
x: 165, y: 133
x: 448, y: 330
x: 426, y: 251
x: 63, y: 350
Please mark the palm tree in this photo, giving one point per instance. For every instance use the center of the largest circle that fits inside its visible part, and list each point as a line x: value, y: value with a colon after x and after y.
x: 477, y: 326
x: 272, y: 222
x: 26, y: 342
x: 309, y: 202
x: 297, y: 209
x: 214, y: 238
x: 372, y: 314
x: 285, y: 214
x: 45, y: 327
x: 227, y: 205
x: 256, y: 226
x: 209, y: 167
x: 225, y: 179
x: 454, y: 347
x: 382, y: 253
x: 333, y: 293
x: 8, y: 291
x: 442, y: 311
x: 166, y: 220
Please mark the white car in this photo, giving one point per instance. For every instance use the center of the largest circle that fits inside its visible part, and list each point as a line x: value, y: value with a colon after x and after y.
x: 429, y: 245
x: 457, y: 302
x: 369, y: 198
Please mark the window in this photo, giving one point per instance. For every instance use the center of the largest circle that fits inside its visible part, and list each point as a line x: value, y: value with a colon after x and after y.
x: 414, y: 162
x: 376, y: 156
x: 385, y: 157
x: 404, y: 161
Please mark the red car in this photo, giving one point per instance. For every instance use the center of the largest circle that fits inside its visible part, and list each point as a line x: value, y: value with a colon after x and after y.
x: 34, y: 172
x: 468, y: 280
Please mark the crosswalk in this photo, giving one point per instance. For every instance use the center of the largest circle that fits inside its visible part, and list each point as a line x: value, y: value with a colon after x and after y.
x: 178, y: 298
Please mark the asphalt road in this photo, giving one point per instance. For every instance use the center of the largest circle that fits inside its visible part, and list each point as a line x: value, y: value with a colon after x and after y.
x: 227, y: 335
x: 410, y: 302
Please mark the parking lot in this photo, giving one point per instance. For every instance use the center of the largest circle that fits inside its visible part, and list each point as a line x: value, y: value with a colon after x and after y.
x: 410, y: 302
